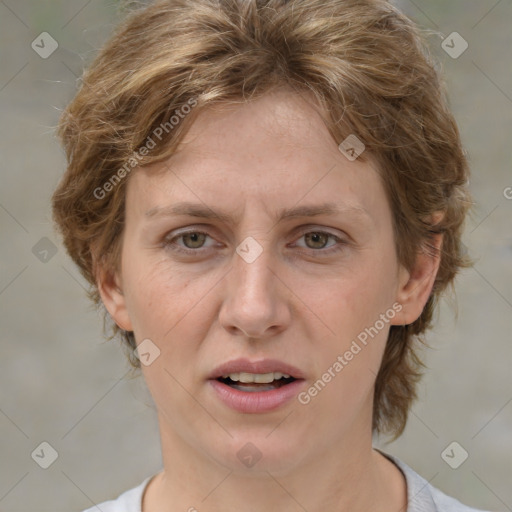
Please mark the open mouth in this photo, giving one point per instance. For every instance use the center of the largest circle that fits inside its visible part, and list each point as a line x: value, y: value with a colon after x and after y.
x: 250, y: 392
x: 256, y: 382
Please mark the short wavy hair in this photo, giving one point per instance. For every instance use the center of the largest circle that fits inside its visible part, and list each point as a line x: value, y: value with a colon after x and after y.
x: 370, y: 70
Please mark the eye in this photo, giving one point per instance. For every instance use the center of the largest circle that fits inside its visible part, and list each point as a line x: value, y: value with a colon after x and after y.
x: 317, y: 241
x: 192, y: 241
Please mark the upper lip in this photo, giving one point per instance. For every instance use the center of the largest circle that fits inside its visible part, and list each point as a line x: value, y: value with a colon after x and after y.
x: 261, y: 366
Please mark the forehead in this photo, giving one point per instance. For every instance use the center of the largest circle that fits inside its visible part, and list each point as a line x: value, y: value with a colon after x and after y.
x: 282, y: 119
x: 275, y: 150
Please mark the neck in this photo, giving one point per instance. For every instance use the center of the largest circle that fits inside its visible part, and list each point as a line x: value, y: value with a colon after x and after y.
x: 347, y: 477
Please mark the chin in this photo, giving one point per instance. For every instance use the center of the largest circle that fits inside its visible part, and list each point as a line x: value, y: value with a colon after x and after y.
x: 258, y: 452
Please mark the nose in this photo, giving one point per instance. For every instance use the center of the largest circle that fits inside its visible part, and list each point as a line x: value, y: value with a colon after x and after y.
x: 255, y: 304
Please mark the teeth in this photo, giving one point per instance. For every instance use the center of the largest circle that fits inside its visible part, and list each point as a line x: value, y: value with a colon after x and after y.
x: 259, y: 378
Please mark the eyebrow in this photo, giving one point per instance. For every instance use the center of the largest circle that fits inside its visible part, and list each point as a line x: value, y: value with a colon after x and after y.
x: 202, y: 211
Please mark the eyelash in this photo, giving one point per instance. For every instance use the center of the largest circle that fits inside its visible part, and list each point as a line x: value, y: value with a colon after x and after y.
x: 171, y: 243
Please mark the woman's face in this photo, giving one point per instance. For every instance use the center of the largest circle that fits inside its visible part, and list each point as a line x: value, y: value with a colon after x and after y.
x: 273, y: 276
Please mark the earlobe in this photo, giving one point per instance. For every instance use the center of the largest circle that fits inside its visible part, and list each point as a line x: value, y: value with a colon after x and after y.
x: 415, y: 286
x: 111, y: 292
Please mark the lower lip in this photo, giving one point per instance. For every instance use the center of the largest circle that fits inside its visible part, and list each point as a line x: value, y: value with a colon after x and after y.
x: 256, y: 401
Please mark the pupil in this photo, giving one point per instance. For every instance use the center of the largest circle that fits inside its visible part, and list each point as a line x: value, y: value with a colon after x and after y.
x: 315, y: 237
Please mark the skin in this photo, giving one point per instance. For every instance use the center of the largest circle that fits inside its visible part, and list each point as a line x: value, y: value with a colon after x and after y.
x: 295, y: 302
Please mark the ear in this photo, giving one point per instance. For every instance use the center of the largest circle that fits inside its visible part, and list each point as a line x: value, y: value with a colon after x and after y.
x: 415, y: 285
x: 111, y: 292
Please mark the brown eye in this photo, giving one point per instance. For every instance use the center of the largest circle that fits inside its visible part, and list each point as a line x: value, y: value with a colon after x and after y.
x: 321, y: 243
x: 316, y: 240
x: 193, y: 240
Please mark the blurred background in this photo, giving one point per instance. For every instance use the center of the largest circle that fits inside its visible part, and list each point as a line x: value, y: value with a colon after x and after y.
x: 62, y: 384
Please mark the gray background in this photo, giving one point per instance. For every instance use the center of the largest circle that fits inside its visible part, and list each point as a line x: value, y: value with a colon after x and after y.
x: 61, y: 383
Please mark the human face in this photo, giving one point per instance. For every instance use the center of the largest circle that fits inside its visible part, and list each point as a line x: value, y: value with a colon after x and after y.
x: 317, y: 283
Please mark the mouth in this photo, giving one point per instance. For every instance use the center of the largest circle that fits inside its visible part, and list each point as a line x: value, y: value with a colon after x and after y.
x: 256, y: 386
x: 256, y: 382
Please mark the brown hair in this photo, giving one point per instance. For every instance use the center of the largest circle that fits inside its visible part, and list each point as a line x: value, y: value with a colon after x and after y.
x: 364, y: 62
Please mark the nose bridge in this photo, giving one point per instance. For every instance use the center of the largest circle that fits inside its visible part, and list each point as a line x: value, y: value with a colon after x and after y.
x: 252, y: 274
x: 253, y: 304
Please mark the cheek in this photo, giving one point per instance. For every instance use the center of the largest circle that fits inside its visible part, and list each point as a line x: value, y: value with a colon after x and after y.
x: 357, y: 308
x: 346, y: 370
x: 166, y: 303
x: 156, y: 296
x: 165, y: 307
x: 352, y: 300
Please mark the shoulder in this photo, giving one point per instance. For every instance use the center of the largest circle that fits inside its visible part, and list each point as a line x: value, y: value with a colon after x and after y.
x: 424, y: 497
x: 128, y: 501
x: 449, y: 504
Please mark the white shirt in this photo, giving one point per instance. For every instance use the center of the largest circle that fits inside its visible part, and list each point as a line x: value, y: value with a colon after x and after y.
x: 421, y: 496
